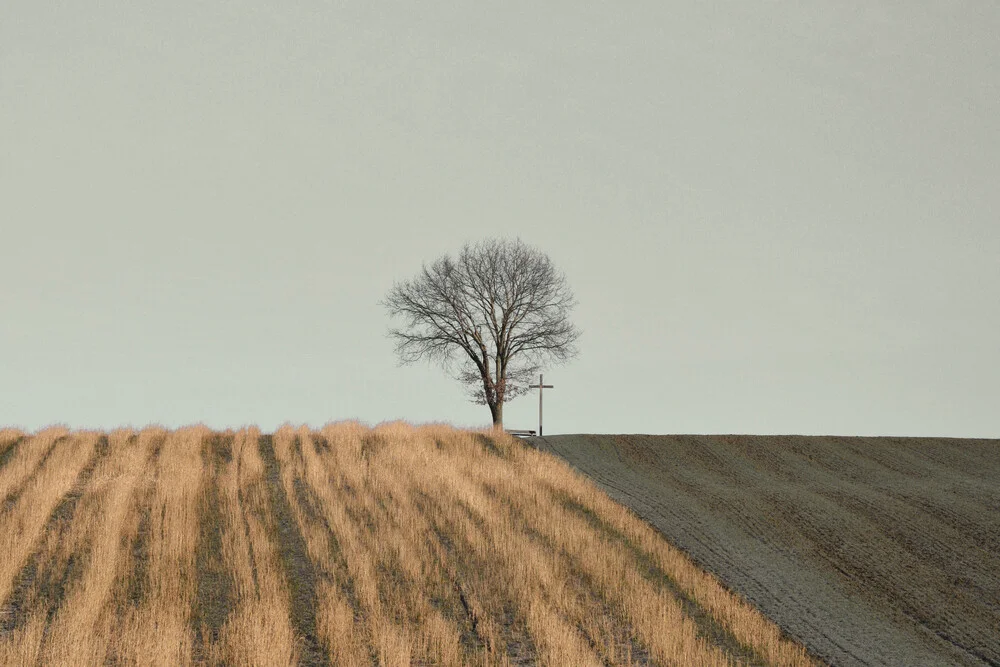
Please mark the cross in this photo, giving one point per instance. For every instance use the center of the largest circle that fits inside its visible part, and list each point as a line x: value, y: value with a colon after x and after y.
x: 539, y: 387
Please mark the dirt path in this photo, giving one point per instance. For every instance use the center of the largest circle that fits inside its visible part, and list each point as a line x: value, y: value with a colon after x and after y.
x: 871, y: 551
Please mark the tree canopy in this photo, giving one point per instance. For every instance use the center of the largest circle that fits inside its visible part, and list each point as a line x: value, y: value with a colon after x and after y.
x: 492, y: 315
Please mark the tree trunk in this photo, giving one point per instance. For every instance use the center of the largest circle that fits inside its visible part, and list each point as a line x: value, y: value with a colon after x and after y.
x: 497, y: 411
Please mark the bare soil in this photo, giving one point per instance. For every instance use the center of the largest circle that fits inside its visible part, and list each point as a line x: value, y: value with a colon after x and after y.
x: 869, y: 551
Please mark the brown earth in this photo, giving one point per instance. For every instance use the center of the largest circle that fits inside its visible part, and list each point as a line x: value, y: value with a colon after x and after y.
x: 870, y: 551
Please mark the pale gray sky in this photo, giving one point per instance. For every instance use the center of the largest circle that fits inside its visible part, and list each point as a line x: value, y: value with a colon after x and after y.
x: 777, y: 217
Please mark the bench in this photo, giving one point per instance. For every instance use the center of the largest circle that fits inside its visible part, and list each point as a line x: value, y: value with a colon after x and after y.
x: 520, y: 432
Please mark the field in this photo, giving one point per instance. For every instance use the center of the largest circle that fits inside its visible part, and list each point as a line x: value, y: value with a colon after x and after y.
x: 870, y: 551
x: 347, y: 545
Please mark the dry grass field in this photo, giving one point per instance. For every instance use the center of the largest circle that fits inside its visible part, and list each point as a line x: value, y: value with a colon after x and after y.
x: 348, y: 546
x: 870, y: 551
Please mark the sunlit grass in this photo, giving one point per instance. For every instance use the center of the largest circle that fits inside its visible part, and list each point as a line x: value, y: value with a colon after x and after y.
x: 350, y: 545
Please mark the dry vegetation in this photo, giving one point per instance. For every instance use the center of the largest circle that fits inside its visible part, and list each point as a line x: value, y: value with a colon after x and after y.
x: 348, y: 545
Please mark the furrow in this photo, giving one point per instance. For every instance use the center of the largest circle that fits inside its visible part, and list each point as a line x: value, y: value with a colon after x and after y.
x: 215, y: 586
x: 81, y: 631
x: 10, y: 440
x: 26, y: 461
x: 40, y: 507
x: 299, y: 571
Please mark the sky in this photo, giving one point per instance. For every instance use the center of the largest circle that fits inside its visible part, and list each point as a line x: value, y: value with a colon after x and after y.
x: 776, y: 217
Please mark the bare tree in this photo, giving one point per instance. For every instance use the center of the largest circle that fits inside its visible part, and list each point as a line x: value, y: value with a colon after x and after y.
x: 493, y: 315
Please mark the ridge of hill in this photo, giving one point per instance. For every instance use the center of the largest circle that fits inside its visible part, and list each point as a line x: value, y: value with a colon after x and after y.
x: 868, y: 550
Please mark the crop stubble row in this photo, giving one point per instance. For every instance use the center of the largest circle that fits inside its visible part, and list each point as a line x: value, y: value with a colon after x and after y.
x: 347, y: 545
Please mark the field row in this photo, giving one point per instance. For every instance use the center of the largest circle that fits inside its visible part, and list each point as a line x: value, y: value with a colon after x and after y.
x: 870, y: 551
x: 348, y: 545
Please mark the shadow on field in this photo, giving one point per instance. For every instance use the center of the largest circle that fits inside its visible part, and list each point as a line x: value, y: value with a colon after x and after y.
x: 301, y: 577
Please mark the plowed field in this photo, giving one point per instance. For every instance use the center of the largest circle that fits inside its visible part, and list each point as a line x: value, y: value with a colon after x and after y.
x: 870, y: 551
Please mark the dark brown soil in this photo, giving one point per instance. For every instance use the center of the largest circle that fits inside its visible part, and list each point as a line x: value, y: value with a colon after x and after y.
x: 870, y: 551
x: 216, y: 589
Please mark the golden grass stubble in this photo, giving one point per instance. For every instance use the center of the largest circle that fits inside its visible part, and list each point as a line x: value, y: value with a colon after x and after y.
x: 392, y: 576
x: 654, y: 613
x: 580, y: 550
x: 23, y: 525
x: 346, y: 648
x: 363, y: 487
x: 386, y: 572
x: 258, y: 631
x: 343, y: 624
x: 8, y: 436
x: 411, y: 571
x: 82, y: 629
x: 743, y: 621
x: 496, y: 532
x: 158, y: 631
x: 496, y: 561
x: 62, y: 555
x: 26, y: 459
x: 342, y: 513
x: 543, y: 592
x: 347, y: 595
x: 562, y: 584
